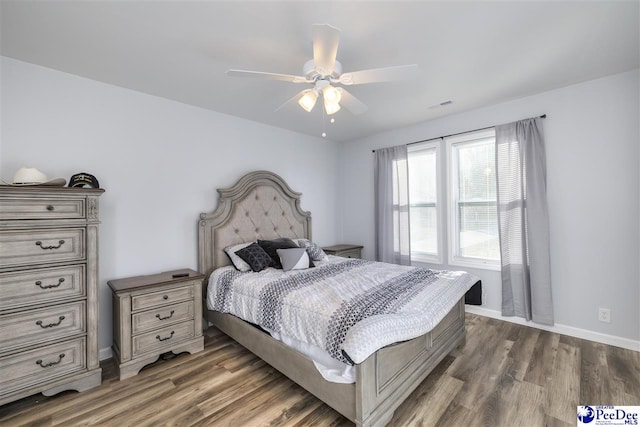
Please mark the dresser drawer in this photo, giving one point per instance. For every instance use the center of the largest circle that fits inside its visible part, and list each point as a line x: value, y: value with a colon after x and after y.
x: 41, y: 246
x: 165, y: 337
x: 38, y: 326
x: 46, y: 285
x: 46, y: 208
x: 157, y: 299
x: 161, y: 317
x: 42, y: 364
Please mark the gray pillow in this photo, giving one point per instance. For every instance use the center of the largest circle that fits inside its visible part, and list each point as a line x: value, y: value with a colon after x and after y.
x: 294, y: 259
x: 315, y: 252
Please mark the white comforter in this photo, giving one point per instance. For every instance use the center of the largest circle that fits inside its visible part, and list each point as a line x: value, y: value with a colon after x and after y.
x: 350, y: 308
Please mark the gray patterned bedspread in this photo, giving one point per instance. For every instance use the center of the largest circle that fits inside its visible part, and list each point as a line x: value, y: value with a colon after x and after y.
x: 349, y: 307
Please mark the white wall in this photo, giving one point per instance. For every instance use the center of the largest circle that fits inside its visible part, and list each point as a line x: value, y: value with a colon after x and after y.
x: 160, y: 162
x: 593, y: 155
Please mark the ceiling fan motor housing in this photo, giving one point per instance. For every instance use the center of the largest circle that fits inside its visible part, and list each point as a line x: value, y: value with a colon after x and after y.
x: 313, y: 73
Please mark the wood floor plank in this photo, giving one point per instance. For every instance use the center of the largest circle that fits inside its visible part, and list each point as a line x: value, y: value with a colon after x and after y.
x: 522, y: 352
x: 506, y: 375
x: 563, y: 391
x: 521, y: 404
x: 543, y: 359
x: 482, y: 382
x: 431, y: 406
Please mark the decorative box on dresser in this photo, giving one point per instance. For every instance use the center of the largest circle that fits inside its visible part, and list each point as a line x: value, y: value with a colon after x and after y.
x: 153, y: 315
x: 48, y: 290
x: 346, y: 251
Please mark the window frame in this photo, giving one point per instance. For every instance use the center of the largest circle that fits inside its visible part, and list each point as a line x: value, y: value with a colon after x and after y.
x: 453, y: 234
x: 421, y: 257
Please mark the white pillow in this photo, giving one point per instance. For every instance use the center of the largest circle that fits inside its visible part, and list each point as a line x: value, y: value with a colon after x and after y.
x: 294, y: 259
x: 238, y: 262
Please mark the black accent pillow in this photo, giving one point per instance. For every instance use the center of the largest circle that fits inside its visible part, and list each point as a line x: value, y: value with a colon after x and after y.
x: 255, y: 256
x: 271, y: 246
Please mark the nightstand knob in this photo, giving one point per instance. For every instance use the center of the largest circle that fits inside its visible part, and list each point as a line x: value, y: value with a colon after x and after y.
x: 165, y: 297
x: 50, y: 207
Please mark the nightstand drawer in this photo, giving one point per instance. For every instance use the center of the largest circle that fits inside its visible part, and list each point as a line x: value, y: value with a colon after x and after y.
x: 161, y: 317
x: 350, y: 254
x: 34, y: 208
x: 46, y: 285
x: 344, y: 250
x: 165, y: 337
x: 37, y: 326
x: 41, y: 246
x: 158, y: 299
x: 42, y: 364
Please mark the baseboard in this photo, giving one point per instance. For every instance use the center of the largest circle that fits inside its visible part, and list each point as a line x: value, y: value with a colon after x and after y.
x: 560, y: 329
x: 105, y: 353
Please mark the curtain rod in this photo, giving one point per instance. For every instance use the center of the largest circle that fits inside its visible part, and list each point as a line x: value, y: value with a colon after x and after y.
x: 544, y: 116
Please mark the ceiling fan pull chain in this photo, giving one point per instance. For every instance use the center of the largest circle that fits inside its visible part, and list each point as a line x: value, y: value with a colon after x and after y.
x: 324, y: 134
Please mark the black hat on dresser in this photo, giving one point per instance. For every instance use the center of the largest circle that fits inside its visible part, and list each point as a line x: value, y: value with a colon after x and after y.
x: 83, y: 179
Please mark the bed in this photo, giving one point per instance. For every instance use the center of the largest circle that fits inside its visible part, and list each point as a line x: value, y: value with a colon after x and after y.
x: 261, y: 205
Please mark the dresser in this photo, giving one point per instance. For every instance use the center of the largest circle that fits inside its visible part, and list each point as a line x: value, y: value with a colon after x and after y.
x: 48, y: 290
x: 155, y: 314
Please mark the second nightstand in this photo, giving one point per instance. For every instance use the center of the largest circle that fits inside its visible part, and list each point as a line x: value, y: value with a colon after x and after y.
x: 153, y: 315
x: 347, y: 251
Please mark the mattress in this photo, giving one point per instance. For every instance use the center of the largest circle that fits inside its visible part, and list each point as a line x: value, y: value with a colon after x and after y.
x: 341, y: 311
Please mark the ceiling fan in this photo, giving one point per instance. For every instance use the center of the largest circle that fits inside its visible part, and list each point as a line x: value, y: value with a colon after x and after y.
x: 324, y: 73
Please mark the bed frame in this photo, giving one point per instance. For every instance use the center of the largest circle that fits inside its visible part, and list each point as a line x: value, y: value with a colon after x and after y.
x: 262, y: 206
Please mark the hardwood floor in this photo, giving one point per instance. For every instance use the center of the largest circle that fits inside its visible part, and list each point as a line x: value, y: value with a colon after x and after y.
x: 506, y: 375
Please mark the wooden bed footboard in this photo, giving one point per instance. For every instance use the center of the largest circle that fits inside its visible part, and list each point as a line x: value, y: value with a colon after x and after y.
x: 388, y: 377
x: 384, y: 380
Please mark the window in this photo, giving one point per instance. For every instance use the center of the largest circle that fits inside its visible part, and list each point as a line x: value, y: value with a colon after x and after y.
x: 473, y: 215
x: 469, y: 221
x: 423, y: 202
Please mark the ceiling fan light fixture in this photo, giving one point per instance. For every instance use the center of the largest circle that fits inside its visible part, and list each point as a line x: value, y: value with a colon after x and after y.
x: 308, y: 100
x: 331, y: 107
x: 331, y: 94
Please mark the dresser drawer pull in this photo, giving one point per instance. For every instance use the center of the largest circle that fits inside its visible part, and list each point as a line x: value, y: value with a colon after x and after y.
x: 167, y: 317
x: 41, y: 286
x: 46, y: 365
x: 50, y: 325
x: 60, y: 243
x: 50, y: 207
x: 167, y: 338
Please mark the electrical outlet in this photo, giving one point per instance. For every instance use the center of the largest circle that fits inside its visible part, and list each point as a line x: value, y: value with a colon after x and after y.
x: 604, y: 315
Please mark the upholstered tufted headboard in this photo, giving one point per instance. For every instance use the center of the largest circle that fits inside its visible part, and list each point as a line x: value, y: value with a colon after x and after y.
x: 259, y: 206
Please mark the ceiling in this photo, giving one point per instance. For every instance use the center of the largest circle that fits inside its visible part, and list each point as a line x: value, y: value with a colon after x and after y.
x: 472, y: 53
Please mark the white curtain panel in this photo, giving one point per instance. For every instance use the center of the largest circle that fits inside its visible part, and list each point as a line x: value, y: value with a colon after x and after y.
x: 523, y: 221
x: 392, y: 205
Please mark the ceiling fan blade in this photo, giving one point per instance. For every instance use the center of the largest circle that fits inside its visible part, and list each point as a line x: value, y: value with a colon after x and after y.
x: 351, y: 103
x: 268, y: 76
x: 325, y: 47
x: 375, y: 75
x: 295, y: 97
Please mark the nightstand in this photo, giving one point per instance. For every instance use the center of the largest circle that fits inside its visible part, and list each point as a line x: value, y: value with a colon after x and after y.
x: 347, y: 251
x: 153, y: 315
